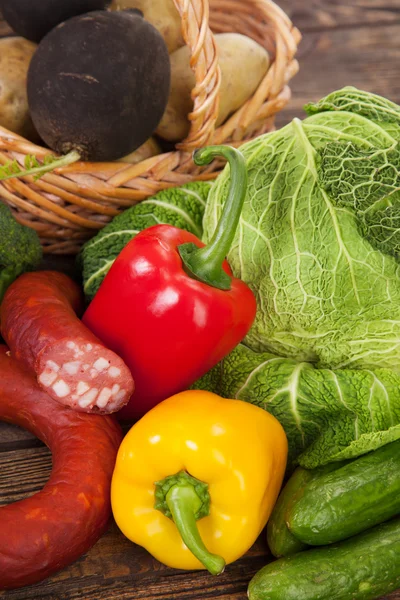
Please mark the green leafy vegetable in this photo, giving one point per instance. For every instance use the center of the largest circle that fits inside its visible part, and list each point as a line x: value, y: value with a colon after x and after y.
x: 319, y: 244
x: 367, y: 182
x: 181, y: 206
x: 358, y: 102
x: 312, y: 239
x: 20, y: 249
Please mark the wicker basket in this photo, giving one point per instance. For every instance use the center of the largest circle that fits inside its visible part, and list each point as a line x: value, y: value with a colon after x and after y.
x: 70, y: 205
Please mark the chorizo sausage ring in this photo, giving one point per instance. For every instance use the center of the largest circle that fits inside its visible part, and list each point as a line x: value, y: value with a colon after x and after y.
x: 41, y: 328
x: 44, y: 533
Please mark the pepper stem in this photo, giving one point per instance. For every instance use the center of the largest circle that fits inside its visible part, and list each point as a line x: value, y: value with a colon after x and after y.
x: 205, y: 264
x: 185, y: 499
x: 183, y: 503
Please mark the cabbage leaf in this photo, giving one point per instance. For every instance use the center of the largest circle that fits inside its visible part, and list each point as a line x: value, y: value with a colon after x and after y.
x: 318, y: 239
x: 319, y: 244
x: 328, y: 415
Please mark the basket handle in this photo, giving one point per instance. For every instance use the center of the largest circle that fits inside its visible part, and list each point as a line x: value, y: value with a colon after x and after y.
x: 204, y: 62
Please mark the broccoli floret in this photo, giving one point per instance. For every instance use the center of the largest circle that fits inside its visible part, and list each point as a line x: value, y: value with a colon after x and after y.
x: 180, y: 206
x: 20, y: 249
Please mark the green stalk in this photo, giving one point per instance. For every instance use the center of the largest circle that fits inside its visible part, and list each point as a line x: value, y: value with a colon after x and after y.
x: 185, y: 499
x: 12, y: 169
x: 205, y: 264
x: 183, y: 503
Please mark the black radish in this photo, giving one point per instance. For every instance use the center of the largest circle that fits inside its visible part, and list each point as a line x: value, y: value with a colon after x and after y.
x: 98, y: 84
x: 32, y: 19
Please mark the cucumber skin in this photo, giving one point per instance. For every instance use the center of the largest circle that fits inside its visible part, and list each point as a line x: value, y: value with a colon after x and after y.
x: 280, y: 540
x: 350, y: 500
x: 365, y: 567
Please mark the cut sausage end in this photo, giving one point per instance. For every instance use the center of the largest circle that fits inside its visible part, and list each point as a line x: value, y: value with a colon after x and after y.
x: 85, y: 376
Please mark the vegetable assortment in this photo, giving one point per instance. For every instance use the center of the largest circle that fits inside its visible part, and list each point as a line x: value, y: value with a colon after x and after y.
x: 293, y: 337
x: 328, y: 414
x: 106, y: 77
x: 98, y: 82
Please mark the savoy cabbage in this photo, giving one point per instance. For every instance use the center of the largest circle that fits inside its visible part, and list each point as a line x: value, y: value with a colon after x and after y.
x: 319, y: 244
x: 317, y: 241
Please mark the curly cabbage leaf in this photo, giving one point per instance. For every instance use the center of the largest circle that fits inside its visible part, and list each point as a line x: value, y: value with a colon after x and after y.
x: 328, y: 415
x: 319, y: 244
x: 318, y: 240
x: 180, y: 206
x: 358, y: 102
x: 368, y: 183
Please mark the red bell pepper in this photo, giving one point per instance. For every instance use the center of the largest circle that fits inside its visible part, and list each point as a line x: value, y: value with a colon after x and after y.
x: 169, y: 306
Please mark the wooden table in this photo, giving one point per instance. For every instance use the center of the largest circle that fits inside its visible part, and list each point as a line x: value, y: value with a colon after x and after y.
x: 346, y: 42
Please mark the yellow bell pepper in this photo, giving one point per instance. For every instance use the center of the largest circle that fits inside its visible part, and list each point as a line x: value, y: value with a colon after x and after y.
x: 196, y: 479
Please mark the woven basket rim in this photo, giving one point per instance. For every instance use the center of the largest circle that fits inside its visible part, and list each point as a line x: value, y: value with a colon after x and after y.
x: 70, y: 204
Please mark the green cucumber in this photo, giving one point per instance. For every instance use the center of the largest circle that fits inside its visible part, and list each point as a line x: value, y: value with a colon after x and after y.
x: 280, y: 540
x: 365, y: 567
x: 355, y: 497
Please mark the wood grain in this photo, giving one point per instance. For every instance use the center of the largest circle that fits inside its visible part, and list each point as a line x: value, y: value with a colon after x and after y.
x: 365, y: 57
x: 15, y: 438
x: 115, y: 569
x: 319, y: 15
x: 23, y: 473
x: 346, y: 42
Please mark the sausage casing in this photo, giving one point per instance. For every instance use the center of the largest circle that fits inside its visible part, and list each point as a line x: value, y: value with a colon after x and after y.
x: 49, y: 530
x: 41, y: 328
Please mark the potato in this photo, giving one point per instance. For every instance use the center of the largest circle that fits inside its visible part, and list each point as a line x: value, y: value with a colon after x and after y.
x: 243, y: 63
x: 147, y: 150
x: 15, y: 57
x: 162, y: 14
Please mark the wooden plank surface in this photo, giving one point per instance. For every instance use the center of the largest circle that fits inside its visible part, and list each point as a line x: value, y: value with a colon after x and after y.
x: 319, y: 15
x: 364, y: 57
x: 345, y: 43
